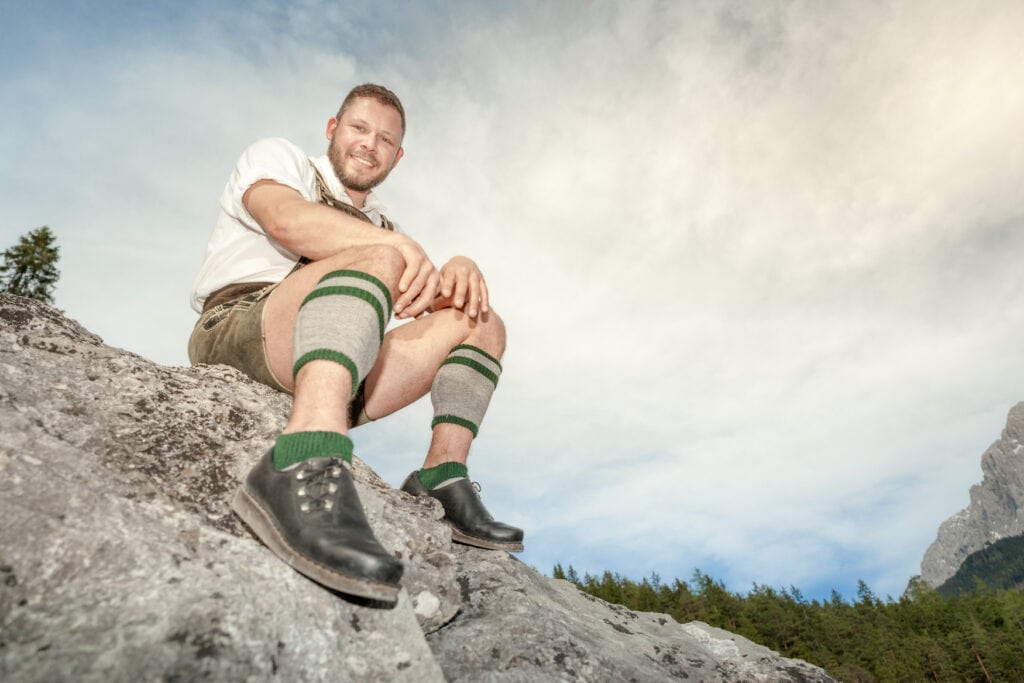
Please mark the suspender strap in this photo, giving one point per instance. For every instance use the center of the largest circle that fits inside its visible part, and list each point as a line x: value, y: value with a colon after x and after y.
x: 325, y: 197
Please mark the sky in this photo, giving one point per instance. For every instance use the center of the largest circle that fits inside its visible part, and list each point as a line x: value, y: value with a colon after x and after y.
x: 759, y: 261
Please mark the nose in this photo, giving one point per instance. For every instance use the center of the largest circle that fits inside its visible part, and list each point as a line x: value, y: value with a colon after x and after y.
x: 369, y: 141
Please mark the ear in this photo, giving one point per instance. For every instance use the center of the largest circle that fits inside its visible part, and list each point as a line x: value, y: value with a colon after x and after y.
x: 398, y: 156
x: 332, y: 124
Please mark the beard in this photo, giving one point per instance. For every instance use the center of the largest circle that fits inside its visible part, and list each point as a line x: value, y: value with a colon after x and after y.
x: 352, y: 182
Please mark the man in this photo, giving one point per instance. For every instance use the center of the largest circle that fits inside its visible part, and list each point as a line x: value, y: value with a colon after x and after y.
x: 301, y: 276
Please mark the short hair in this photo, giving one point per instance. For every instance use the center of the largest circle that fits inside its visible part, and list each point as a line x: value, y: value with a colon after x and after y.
x: 374, y: 92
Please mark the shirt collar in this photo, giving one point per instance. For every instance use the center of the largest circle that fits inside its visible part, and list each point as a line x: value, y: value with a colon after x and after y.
x: 372, y: 206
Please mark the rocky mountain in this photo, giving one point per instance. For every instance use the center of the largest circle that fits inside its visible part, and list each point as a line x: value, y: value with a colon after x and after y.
x: 996, y: 510
x: 121, y: 561
x: 999, y: 566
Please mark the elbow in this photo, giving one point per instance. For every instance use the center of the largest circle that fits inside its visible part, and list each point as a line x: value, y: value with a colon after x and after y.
x: 278, y: 228
x: 281, y: 225
x: 279, y: 215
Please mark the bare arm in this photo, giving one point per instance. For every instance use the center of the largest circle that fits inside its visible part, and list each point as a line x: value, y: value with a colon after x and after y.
x: 317, y: 232
x: 303, y: 227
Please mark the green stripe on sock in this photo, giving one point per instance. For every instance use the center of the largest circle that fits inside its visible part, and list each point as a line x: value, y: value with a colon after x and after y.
x: 477, y: 349
x: 346, y: 290
x: 328, y: 354
x: 432, y: 476
x: 455, y: 420
x: 360, y: 275
x: 290, y: 449
x: 470, y: 363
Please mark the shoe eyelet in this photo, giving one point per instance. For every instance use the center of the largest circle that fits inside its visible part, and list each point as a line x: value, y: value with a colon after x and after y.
x: 301, y: 492
x: 328, y: 504
x: 304, y: 507
x: 301, y: 475
x: 332, y: 487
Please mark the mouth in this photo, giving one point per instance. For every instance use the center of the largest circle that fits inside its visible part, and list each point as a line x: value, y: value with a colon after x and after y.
x: 365, y: 162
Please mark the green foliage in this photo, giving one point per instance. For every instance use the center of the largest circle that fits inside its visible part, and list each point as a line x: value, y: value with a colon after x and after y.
x: 924, y: 636
x: 29, y: 268
x: 999, y: 565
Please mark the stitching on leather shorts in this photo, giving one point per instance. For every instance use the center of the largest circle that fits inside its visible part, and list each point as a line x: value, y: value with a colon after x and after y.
x: 219, y: 313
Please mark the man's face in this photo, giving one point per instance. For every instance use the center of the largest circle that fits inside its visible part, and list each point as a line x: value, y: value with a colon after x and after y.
x: 366, y: 143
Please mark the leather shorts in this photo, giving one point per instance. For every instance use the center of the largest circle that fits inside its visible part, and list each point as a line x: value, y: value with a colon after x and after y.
x: 231, y: 333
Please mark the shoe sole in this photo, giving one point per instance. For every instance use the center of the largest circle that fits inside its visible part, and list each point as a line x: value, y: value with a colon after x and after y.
x: 464, y: 539
x: 253, y: 514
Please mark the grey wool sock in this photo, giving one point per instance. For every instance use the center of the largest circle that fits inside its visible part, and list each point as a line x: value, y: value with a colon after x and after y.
x: 343, y: 319
x: 463, y: 387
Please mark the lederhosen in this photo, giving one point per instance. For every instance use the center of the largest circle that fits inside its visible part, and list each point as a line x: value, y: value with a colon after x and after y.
x: 242, y: 295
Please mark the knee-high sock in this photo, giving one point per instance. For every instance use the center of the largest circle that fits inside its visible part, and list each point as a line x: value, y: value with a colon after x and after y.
x: 343, y: 319
x: 463, y: 387
x: 290, y: 449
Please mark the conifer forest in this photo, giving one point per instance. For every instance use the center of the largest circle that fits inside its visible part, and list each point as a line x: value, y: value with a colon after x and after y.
x: 975, y: 635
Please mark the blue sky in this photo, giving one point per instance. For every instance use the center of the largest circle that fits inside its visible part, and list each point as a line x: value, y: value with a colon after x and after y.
x: 759, y: 261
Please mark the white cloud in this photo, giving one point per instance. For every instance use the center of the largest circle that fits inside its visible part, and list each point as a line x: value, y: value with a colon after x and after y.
x: 758, y: 261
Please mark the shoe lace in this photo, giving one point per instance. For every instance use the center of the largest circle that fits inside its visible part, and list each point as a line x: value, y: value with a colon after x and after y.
x: 319, y: 484
x: 476, y: 486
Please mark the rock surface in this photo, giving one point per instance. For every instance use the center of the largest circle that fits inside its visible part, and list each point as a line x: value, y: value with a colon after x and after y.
x: 996, y: 510
x: 121, y: 561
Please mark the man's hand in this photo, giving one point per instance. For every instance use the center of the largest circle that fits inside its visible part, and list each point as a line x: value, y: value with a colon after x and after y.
x: 463, y: 288
x: 418, y: 285
x: 317, y: 232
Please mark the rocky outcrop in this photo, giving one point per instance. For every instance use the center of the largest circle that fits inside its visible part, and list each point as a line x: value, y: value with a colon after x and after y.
x: 121, y: 561
x: 996, y: 510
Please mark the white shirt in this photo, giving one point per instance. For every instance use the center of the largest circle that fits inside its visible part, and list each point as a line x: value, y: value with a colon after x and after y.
x: 240, y: 250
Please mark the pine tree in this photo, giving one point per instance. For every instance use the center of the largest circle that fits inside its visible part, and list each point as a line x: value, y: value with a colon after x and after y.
x: 29, y: 268
x: 975, y: 636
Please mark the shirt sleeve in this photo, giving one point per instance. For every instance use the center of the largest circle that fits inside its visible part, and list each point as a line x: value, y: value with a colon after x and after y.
x: 274, y: 159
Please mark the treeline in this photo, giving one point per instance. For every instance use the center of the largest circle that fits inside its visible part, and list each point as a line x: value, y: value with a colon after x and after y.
x: 923, y: 636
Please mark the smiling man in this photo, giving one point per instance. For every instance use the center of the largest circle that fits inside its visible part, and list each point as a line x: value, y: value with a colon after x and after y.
x: 302, y: 275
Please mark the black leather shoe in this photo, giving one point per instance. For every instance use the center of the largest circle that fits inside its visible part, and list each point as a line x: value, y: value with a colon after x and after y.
x: 465, y: 513
x: 310, y: 516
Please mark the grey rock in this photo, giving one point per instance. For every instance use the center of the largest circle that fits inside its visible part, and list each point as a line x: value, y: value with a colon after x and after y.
x: 519, y: 626
x: 996, y: 510
x: 121, y: 558
x: 121, y: 561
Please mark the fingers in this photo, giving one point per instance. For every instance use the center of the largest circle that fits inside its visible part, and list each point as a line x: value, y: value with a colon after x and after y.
x: 459, y: 284
x: 447, y: 282
x: 424, y: 299
x: 420, y: 292
x: 412, y: 271
x: 485, y: 298
x: 474, y: 294
x: 418, y: 284
x: 469, y: 292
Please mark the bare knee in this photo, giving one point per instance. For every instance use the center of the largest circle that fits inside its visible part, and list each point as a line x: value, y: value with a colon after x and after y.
x: 380, y: 260
x: 488, y: 332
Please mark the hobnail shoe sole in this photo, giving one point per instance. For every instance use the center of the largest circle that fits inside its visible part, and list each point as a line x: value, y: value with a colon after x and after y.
x: 484, y: 543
